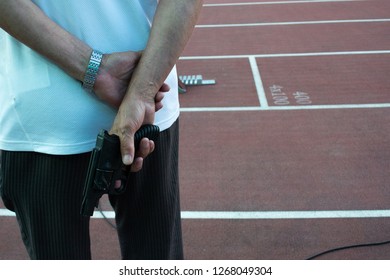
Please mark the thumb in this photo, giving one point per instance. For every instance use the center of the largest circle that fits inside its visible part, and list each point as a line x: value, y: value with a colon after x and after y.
x: 127, y: 147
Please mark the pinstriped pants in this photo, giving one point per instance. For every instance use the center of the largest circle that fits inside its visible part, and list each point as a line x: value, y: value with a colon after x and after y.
x: 45, y: 191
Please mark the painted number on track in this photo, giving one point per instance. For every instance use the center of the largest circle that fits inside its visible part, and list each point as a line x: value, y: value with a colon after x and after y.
x: 281, y: 98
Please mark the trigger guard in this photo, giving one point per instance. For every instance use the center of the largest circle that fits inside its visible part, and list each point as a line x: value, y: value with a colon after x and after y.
x: 122, y: 188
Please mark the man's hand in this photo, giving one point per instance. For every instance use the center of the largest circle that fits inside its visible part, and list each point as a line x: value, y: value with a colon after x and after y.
x: 125, y: 128
x: 114, y: 76
x: 111, y: 86
x: 135, y: 111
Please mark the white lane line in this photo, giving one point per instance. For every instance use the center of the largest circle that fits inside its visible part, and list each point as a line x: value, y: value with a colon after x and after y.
x: 258, y: 82
x: 285, y: 108
x: 291, y: 23
x: 275, y: 55
x: 285, y: 214
x: 258, y: 215
x: 276, y: 2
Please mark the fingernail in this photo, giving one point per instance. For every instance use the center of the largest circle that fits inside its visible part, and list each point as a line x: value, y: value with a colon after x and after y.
x: 127, y: 160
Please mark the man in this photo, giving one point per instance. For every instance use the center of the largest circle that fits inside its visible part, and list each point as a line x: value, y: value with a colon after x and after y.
x: 67, y: 70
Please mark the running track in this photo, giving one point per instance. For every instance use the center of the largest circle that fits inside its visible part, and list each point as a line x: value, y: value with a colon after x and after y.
x: 288, y: 155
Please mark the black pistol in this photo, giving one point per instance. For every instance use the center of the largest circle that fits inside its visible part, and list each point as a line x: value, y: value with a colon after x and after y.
x: 106, y: 167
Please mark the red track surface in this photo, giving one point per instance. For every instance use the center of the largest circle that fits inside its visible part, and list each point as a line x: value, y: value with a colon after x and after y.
x: 241, y: 155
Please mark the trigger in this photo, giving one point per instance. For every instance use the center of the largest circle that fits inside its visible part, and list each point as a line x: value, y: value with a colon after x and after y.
x: 103, y: 179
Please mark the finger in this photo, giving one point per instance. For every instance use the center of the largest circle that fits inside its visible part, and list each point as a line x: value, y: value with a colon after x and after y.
x: 118, y: 184
x: 137, y: 164
x: 158, y: 104
x: 152, y: 146
x: 165, y: 88
x: 159, y: 96
x: 144, y: 148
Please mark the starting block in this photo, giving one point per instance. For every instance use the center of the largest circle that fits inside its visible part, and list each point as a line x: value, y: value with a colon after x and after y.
x: 195, y: 80
x: 192, y: 80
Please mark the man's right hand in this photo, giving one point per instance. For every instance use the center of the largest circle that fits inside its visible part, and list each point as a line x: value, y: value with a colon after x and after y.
x: 114, y: 76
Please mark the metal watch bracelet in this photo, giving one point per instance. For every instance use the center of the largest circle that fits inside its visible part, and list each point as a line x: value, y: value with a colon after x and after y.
x: 92, y: 70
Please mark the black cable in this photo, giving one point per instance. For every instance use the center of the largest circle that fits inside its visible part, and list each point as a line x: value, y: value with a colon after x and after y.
x: 105, y: 217
x: 348, y: 247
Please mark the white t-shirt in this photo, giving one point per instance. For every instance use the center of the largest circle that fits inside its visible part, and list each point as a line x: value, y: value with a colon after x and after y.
x: 42, y: 109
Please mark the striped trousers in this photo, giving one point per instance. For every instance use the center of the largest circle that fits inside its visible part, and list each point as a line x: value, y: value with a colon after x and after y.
x: 45, y: 192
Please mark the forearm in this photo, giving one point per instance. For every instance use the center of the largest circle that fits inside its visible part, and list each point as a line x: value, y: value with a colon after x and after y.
x: 172, y: 27
x: 23, y: 20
